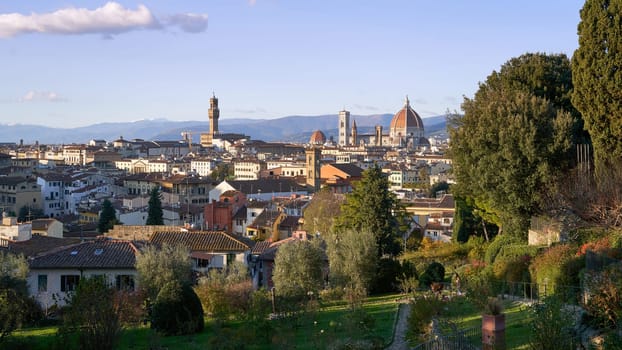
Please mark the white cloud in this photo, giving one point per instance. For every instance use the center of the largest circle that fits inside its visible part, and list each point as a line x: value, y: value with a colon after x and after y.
x: 252, y: 2
x: 33, y: 96
x: 112, y: 18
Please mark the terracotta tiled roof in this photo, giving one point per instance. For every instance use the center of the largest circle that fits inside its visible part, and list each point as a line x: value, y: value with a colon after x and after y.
x: 317, y: 137
x: 260, y: 247
x: 98, y: 254
x: 40, y: 244
x: 350, y: 169
x: 207, y: 241
x: 406, y: 118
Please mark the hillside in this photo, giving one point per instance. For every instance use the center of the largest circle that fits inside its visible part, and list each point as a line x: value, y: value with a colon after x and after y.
x: 290, y: 128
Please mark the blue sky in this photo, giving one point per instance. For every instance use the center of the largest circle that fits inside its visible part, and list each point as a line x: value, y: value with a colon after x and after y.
x: 72, y: 63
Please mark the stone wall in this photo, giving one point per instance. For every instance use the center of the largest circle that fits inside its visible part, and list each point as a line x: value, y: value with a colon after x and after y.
x: 139, y: 233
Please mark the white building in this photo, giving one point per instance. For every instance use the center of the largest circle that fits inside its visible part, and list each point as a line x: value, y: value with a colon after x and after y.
x: 53, y: 275
x: 202, y: 167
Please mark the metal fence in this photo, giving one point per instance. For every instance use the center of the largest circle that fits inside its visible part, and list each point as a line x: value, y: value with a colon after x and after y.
x: 538, y: 291
x: 466, y: 339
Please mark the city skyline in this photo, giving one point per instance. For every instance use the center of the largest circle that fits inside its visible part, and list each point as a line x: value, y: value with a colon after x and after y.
x: 94, y: 61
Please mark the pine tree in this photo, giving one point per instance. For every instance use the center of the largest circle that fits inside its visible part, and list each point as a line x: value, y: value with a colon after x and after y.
x: 155, y: 215
x: 107, y: 217
x: 371, y: 206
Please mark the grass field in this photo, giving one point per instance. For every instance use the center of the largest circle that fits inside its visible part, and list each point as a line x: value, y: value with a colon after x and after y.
x: 311, y: 330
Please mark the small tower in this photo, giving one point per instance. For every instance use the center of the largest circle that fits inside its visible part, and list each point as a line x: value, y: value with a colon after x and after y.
x: 313, y: 167
x: 344, y: 127
x: 354, y: 136
x: 214, y: 114
x: 378, y: 135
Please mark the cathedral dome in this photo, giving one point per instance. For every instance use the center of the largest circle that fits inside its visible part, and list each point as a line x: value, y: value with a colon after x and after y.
x: 406, y: 118
x: 317, y: 137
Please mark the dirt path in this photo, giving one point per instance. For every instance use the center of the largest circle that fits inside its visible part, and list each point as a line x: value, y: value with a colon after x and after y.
x: 399, y: 338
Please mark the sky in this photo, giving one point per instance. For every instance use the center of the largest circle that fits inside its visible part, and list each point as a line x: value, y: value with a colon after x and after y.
x: 74, y: 63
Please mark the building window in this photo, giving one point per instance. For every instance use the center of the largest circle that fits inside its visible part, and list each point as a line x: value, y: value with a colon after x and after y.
x: 42, y: 283
x: 68, y: 283
x: 124, y: 282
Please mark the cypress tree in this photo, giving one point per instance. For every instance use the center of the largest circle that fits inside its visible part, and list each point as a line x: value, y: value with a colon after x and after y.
x: 155, y: 215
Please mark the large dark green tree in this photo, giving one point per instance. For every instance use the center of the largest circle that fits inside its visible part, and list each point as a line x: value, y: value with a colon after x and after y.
x: 107, y: 217
x: 372, y: 207
x: 514, y: 139
x: 155, y: 216
x: 597, y: 78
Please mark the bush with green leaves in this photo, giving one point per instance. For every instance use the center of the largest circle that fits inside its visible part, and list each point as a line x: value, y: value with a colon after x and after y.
x: 422, y: 310
x: 556, y: 270
x: 92, y: 315
x: 226, y: 293
x: 16, y: 307
x: 494, y: 248
x: 177, y: 310
x: 435, y: 272
x: 157, y: 266
x: 387, y: 273
x: 552, y: 325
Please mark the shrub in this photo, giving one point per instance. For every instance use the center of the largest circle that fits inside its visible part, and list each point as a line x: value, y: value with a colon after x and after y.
x: 551, y: 325
x: 435, y: 272
x: 332, y: 294
x: 497, y: 244
x: 605, y: 299
x: 421, y: 312
x: 92, y: 315
x: 177, y: 310
x: 557, y: 267
x: 387, y: 274
x: 512, y: 269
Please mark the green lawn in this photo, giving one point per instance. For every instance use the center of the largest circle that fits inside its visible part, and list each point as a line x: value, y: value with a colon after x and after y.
x: 312, y: 330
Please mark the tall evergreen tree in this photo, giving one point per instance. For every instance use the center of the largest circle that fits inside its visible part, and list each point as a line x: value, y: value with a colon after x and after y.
x: 107, y: 217
x: 514, y: 138
x: 597, y: 79
x: 371, y: 206
x: 155, y: 215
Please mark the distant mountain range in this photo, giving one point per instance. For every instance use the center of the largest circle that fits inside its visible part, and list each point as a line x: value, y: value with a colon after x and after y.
x: 285, y: 129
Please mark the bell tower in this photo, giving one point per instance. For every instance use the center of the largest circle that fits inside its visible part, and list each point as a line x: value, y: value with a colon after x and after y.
x: 312, y: 163
x: 344, y: 128
x: 214, y: 114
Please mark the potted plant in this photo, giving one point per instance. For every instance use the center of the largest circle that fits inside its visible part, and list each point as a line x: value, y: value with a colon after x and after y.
x: 480, y: 292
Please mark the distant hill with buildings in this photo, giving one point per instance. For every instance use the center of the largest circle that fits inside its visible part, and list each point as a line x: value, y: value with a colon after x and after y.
x: 290, y: 128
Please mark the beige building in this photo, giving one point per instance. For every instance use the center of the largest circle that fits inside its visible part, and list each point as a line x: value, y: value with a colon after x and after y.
x: 248, y: 169
x: 17, y: 192
x: 47, y: 227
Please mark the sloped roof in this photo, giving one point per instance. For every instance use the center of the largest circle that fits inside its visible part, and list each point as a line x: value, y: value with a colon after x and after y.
x: 97, y: 254
x: 445, y: 202
x: 40, y: 244
x: 260, y: 247
x: 350, y: 169
x: 43, y: 224
x: 207, y: 241
x: 266, y: 186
